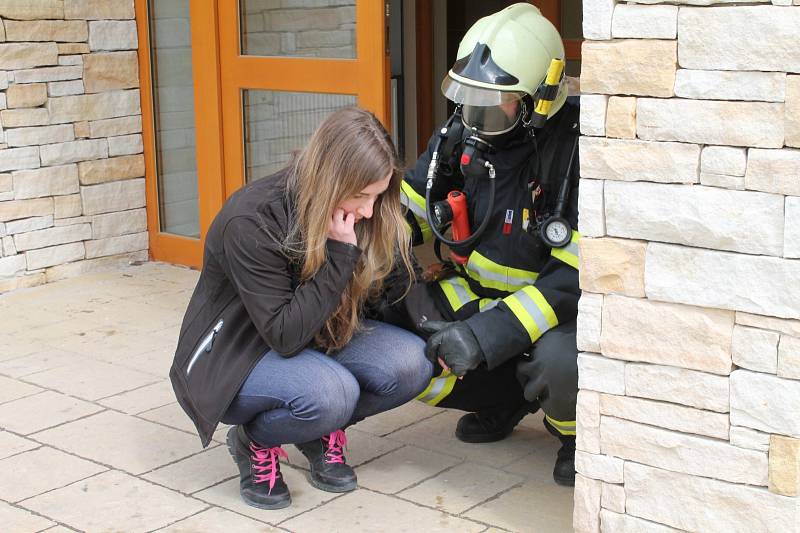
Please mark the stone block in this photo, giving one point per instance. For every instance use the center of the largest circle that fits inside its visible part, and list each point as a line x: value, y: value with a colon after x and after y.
x: 784, y: 465
x: 791, y: 230
x: 633, y: 160
x: 755, y: 349
x: 601, y: 467
x: 72, y: 221
x: 70, y: 61
x: 65, y: 88
x: 8, y: 246
x: 32, y: 9
x: 40, y: 135
x: 113, y: 169
x: 611, y: 522
x: 110, y: 71
x: 78, y: 268
x: 724, y: 181
x: 765, y: 402
x: 27, y: 95
x: 6, y: 183
x: 98, y: 9
x: 762, y: 285
x: 93, y: 106
x: 597, y: 17
x: 712, y: 38
x: 125, y: 145
x: 19, y: 158
x: 612, y: 497
x: 29, y: 224
x: 48, y: 181
x: 789, y: 357
x: 120, y: 223
x: 638, y: 67
x: 74, y: 152
x: 792, y: 108
x: 586, y: 511
x: 775, y: 171
x: 55, y: 255
x: 612, y: 266
x: 82, y: 129
x: 113, y: 35
x: 52, y: 236
x: 601, y: 374
x: 590, y: 311
x: 679, y: 452
x: 112, y: 196
x: 730, y: 85
x: 698, y: 504
x: 644, y: 22
x: 723, y: 160
x: 591, y: 219
x: 665, y: 333
x: 12, y: 266
x: 756, y: 124
x: 749, y: 438
x: 48, y: 74
x: 20, y: 118
x: 115, y: 126
x: 695, y: 216
x: 621, y: 117
x: 593, y: 114
x: 67, y: 206
x: 66, y: 49
x: 587, y: 420
x: 47, y: 30
x: 667, y: 416
x: 15, y: 56
x: 116, y: 245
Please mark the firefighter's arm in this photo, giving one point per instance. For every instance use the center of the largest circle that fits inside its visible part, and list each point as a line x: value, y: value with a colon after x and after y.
x: 520, y: 319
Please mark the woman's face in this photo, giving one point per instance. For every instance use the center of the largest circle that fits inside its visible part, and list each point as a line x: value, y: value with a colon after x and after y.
x: 361, y: 204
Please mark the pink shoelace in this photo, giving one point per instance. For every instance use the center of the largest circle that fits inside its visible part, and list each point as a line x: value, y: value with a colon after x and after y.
x: 265, y: 464
x: 337, y: 442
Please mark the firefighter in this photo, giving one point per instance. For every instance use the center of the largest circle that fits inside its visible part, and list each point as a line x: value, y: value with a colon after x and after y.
x: 499, y: 317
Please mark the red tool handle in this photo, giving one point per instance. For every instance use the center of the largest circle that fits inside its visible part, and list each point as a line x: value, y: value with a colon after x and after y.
x: 458, y: 203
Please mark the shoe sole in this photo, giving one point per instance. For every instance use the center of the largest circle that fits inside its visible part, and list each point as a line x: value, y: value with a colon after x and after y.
x: 481, y: 438
x: 266, y: 506
x: 321, y: 485
x: 564, y: 482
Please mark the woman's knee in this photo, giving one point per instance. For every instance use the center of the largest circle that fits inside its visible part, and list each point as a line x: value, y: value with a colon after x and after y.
x: 403, y: 367
x: 329, y: 396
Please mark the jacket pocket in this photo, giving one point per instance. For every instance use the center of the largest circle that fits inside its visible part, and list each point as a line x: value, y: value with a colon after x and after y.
x: 205, y: 345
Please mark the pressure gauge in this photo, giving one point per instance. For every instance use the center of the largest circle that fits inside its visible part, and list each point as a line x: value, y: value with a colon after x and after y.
x: 556, y: 232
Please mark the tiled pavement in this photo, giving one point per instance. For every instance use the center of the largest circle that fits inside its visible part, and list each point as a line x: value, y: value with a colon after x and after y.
x: 91, y: 438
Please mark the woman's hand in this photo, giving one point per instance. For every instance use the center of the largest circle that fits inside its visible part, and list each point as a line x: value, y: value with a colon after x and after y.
x: 342, y: 227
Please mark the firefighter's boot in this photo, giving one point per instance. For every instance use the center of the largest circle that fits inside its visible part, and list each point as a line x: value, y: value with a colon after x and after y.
x: 564, y: 471
x: 491, y: 425
x: 329, y: 468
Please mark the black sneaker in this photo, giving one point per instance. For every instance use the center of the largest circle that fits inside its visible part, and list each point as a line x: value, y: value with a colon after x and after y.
x: 329, y: 469
x: 260, y: 481
x: 564, y: 471
x: 491, y: 425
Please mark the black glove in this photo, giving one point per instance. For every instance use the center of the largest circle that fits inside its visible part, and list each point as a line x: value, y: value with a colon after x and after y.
x: 455, y: 344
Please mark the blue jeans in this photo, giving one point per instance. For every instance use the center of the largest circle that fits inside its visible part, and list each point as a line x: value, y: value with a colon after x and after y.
x: 312, y: 394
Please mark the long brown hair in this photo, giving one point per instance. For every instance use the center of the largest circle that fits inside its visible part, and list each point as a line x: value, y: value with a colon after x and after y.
x: 349, y: 151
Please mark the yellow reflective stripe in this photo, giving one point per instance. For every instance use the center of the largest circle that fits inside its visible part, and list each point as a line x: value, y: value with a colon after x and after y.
x: 450, y: 382
x: 438, y: 388
x: 411, y: 199
x: 570, y: 254
x: 457, y: 291
x: 565, y: 427
x: 487, y: 303
x: 496, y: 276
x: 532, y: 310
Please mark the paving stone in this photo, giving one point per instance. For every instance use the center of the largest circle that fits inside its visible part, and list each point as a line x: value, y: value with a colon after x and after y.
x: 16, y: 519
x: 361, y: 447
x: 216, y: 520
x: 10, y: 445
x: 48, y: 409
x: 42, y: 359
x: 197, y: 472
x: 90, y: 381
x: 402, y: 468
x: 22, y: 474
x: 11, y: 389
x: 115, y: 498
x: 98, y: 437
x: 368, y: 511
x: 141, y: 399
x: 461, y: 487
x: 390, y: 421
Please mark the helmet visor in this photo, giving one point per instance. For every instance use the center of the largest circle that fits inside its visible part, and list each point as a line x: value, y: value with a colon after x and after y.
x: 492, y: 120
x: 461, y: 93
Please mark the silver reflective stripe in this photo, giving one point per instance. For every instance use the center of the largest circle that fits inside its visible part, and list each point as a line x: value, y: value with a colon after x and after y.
x: 416, y: 209
x: 203, y: 346
x: 438, y: 385
x: 507, y: 278
x: 573, y: 248
x: 461, y: 292
x: 532, y: 309
x: 490, y: 305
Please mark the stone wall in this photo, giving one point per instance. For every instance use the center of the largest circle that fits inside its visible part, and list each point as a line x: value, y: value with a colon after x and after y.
x: 72, y: 190
x: 689, y: 324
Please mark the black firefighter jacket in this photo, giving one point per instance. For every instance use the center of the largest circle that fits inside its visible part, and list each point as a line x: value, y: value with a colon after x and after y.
x: 249, y: 299
x: 514, y: 288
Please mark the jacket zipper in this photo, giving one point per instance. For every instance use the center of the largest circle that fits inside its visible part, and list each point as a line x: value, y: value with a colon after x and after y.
x: 205, y: 346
